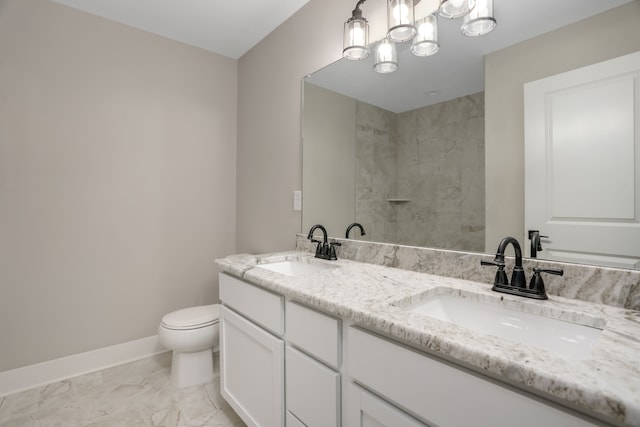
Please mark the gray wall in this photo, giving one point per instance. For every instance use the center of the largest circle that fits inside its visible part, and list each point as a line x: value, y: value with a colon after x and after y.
x: 328, y: 157
x: 269, y: 104
x: 117, y: 170
x: 606, y: 36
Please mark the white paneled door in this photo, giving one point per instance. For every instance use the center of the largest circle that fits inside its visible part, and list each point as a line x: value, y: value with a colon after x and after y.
x: 582, y: 163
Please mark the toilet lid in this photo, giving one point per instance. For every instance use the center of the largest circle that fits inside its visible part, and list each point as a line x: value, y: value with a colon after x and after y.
x: 193, y: 317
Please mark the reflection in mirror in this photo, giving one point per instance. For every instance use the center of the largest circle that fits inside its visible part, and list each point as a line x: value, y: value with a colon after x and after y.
x: 416, y: 177
x: 404, y: 153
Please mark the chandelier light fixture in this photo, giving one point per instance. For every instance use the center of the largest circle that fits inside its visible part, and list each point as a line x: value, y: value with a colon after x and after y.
x: 386, y: 57
x: 454, y: 9
x: 403, y: 26
x: 426, y: 41
x: 480, y: 20
x: 356, y: 35
x: 400, y: 20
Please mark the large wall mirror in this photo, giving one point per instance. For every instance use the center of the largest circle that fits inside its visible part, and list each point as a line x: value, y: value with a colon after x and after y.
x: 432, y: 155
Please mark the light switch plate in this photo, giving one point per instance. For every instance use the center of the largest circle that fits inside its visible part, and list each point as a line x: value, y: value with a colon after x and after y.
x: 297, y: 200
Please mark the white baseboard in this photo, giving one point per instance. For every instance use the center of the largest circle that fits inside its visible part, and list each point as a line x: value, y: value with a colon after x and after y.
x: 28, y: 377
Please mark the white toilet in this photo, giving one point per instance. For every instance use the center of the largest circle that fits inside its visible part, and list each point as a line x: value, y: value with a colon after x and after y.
x: 191, y: 333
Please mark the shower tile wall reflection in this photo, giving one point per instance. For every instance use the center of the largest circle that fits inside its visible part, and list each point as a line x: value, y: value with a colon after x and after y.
x: 376, y: 170
x: 433, y: 158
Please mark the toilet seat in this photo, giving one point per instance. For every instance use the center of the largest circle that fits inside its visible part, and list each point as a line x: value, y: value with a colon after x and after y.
x: 191, y: 318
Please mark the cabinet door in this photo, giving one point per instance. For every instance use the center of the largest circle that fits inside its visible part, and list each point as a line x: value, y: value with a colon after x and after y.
x: 251, y: 370
x: 313, y: 390
x: 443, y: 394
x: 368, y: 410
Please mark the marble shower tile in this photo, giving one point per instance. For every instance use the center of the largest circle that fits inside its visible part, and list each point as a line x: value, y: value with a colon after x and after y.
x: 435, y: 157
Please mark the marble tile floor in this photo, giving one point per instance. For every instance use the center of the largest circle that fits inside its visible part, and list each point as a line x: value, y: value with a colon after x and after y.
x: 139, y: 393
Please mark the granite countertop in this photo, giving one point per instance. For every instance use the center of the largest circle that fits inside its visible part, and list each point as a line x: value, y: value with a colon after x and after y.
x: 605, y: 383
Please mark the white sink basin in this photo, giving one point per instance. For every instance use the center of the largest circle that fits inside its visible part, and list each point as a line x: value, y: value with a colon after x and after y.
x: 491, y: 315
x: 294, y: 268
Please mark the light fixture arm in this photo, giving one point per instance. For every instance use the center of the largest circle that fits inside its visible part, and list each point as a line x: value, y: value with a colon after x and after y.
x: 357, y: 12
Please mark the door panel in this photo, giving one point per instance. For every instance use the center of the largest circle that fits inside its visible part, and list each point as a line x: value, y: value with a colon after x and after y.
x: 582, y: 167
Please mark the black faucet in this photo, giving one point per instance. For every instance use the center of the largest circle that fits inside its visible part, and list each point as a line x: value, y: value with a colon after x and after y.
x: 536, y: 245
x: 518, y: 284
x: 517, y: 277
x: 355, y: 224
x: 324, y: 250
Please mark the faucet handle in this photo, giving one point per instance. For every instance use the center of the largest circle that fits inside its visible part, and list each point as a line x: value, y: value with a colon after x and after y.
x: 536, y: 244
x: 501, y: 276
x: 537, y: 283
x: 492, y: 263
x: 318, y: 246
x: 332, y: 251
x: 556, y: 271
x: 540, y: 243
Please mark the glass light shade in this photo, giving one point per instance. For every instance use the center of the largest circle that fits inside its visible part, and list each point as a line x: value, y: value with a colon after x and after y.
x: 400, y: 20
x: 386, y: 57
x: 426, y: 41
x: 452, y: 9
x: 480, y: 20
x: 356, y: 39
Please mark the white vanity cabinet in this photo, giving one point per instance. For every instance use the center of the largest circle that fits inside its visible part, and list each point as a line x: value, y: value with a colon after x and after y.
x: 254, y: 362
x: 252, y: 352
x: 440, y: 393
x: 283, y: 363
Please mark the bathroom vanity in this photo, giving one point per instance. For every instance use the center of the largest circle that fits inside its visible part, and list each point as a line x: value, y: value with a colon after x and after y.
x: 306, y: 342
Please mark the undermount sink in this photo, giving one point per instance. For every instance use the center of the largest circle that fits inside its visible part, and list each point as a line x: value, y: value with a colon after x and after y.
x: 295, y: 267
x: 569, y: 334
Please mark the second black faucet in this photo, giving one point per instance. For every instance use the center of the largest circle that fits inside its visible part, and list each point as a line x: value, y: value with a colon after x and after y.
x: 324, y: 250
x: 355, y: 224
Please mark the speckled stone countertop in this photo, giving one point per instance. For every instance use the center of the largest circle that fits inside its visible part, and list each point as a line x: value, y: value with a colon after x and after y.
x: 605, y: 383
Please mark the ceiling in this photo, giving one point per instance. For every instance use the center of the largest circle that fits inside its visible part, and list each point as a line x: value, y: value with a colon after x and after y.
x: 228, y: 28
x: 458, y: 68
x: 231, y: 28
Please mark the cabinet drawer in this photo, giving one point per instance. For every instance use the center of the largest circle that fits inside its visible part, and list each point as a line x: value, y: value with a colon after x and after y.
x: 313, y: 390
x: 263, y: 307
x: 442, y: 394
x: 314, y: 332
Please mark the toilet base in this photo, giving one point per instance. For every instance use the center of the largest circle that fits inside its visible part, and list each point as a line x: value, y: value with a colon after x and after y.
x: 189, y: 369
